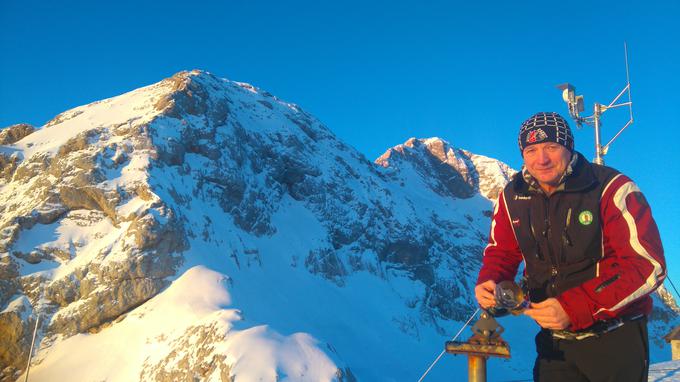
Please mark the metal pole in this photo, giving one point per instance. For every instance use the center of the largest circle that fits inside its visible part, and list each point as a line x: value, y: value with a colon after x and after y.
x: 630, y: 97
x: 598, y: 145
x: 30, y: 354
x: 476, y: 368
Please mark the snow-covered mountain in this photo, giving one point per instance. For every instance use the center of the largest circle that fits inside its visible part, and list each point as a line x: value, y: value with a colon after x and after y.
x: 203, y: 228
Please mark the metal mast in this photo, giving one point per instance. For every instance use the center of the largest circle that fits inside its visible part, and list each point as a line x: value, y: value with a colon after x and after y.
x: 575, y: 104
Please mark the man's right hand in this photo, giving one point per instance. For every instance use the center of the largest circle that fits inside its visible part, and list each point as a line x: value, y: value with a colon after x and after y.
x: 484, y: 293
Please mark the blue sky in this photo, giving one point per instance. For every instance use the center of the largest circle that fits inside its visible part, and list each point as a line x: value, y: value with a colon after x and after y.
x: 376, y: 73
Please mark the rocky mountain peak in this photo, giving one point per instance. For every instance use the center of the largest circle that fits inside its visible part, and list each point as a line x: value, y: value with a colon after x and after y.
x: 447, y: 170
x: 434, y: 146
x: 102, y: 205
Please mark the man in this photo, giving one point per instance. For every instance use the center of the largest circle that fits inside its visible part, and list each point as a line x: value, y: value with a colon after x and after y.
x: 592, y: 256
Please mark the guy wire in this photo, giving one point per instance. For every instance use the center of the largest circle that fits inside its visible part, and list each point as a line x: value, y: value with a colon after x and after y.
x: 453, y: 339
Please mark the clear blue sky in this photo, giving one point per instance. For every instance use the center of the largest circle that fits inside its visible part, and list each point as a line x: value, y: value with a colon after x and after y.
x: 376, y: 72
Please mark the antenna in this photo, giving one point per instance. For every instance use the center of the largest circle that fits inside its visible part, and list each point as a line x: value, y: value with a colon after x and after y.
x: 575, y: 104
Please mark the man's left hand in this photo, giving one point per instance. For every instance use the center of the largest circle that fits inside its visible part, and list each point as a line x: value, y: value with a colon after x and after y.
x: 549, y: 314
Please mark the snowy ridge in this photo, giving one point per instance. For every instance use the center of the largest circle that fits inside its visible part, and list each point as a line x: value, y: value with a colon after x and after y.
x: 203, y: 228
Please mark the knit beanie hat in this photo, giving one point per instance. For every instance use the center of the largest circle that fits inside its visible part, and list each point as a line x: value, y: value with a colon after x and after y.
x: 545, y: 127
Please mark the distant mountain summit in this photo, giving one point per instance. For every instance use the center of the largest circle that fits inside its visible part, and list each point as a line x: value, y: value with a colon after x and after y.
x: 449, y: 171
x: 201, y: 228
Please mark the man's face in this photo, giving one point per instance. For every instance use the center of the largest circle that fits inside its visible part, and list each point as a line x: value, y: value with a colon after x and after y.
x: 546, y: 162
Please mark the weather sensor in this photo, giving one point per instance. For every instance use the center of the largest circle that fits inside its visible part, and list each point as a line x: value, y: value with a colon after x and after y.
x: 575, y: 104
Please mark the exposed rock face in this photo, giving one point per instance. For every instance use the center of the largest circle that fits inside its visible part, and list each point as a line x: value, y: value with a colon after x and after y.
x: 668, y: 299
x: 8, y: 164
x: 88, y: 198
x: 67, y: 207
x: 9, y: 275
x: 15, y: 133
x: 201, y: 363
x: 15, y: 331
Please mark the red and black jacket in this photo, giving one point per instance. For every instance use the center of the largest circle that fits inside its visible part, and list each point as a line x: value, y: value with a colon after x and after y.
x: 592, y: 244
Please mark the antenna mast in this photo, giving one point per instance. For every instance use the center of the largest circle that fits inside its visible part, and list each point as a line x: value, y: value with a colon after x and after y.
x: 575, y: 104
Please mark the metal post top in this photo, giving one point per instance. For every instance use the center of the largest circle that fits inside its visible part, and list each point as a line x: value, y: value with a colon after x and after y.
x: 485, y: 342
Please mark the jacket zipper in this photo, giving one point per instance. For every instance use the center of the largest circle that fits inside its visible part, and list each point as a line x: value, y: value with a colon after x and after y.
x: 539, y: 252
x: 554, y: 265
x: 566, y: 239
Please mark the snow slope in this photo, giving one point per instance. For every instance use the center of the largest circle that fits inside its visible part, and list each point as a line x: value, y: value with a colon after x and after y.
x: 665, y: 371
x: 150, y: 336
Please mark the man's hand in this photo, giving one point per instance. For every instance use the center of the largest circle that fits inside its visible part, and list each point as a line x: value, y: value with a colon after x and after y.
x: 549, y: 314
x: 484, y: 293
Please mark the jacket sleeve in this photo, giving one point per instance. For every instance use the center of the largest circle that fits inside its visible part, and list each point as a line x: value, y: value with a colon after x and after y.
x: 633, y: 263
x: 502, y: 255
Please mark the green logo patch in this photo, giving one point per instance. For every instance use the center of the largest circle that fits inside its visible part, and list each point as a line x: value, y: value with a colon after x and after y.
x: 585, y: 217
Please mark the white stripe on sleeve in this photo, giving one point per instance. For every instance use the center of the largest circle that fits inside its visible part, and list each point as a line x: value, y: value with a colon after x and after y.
x: 651, y: 281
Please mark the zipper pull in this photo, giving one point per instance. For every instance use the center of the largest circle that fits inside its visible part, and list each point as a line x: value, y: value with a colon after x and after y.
x: 546, y: 231
x: 568, y: 217
x: 565, y: 236
x: 553, y: 273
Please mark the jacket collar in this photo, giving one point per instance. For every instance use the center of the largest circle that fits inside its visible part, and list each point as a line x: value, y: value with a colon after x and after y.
x: 578, y: 176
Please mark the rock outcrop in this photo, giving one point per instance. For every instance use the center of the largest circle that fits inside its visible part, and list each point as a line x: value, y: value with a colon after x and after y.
x: 15, y: 133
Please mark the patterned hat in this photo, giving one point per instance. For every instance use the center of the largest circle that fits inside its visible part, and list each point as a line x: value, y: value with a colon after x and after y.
x: 545, y: 127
